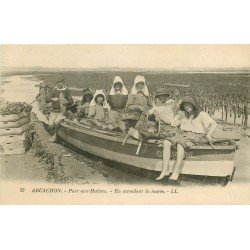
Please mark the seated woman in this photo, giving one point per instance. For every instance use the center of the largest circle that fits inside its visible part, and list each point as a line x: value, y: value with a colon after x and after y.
x: 165, y: 109
x: 117, y: 99
x: 196, y: 127
x: 83, y: 108
x: 139, y: 98
x: 98, y: 111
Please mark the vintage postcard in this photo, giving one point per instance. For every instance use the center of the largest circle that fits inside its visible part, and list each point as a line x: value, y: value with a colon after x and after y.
x: 125, y: 124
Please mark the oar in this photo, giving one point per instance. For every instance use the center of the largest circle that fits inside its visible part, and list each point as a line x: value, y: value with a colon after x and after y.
x: 32, y: 102
x: 125, y: 139
x: 40, y: 116
x: 132, y: 132
x: 218, y: 140
x: 177, y: 85
x: 211, y: 144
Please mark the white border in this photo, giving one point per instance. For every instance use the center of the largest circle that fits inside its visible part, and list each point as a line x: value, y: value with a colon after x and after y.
x: 130, y: 21
x: 135, y: 227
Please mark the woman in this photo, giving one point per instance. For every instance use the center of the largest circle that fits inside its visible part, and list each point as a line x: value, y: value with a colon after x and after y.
x: 99, y: 109
x: 83, y: 108
x: 196, y: 127
x: 117, y: 100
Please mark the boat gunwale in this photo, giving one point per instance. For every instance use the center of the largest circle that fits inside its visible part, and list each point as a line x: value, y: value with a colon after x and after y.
x: 116, y: 136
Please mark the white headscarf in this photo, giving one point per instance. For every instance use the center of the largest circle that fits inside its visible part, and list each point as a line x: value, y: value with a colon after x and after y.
x: 124, y: 90
x: 62, y: 89
x: 144, y: 90
x: 93, y: 102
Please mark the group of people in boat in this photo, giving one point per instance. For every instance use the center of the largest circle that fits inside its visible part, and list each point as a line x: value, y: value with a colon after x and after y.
x: 187, y: 123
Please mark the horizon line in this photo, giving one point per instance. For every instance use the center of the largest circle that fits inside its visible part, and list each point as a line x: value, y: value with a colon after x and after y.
x: 121, y: 69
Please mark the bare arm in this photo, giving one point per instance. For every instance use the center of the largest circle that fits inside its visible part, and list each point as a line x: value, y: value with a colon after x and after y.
x: 211, y: 130
x: 162, y: 118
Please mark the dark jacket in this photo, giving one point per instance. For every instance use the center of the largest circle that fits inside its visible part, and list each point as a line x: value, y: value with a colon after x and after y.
x: 117, y: 102
x: 55, y: 93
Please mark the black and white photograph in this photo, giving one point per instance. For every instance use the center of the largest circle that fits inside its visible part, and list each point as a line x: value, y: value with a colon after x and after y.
x: 125, y: 123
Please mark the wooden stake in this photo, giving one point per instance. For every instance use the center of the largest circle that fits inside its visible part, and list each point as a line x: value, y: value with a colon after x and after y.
x: 139, y: 147
x: 211, y: 144
x: 159, y: 126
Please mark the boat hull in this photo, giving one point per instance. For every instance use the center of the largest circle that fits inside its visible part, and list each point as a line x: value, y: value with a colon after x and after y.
x: 199, y: 160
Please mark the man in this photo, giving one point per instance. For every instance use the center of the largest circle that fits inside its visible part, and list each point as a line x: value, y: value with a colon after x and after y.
x: 61, y: 99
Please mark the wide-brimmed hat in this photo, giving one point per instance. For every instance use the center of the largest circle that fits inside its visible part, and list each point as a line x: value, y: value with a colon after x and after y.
x: 87, y: 92
x: 162, y: 91
x: 190, y: 100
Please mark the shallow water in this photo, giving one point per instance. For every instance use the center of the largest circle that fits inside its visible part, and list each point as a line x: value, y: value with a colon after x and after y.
x: 21, y: 89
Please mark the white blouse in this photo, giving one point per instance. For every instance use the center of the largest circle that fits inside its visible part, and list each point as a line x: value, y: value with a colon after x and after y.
x: 200, y: 124
x: 166, y: 111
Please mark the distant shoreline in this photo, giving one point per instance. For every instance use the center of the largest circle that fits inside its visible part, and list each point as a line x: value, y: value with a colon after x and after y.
x: 142, y: 70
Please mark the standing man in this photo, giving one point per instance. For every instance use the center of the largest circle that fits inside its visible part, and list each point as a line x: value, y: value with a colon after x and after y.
x: 61, y: 99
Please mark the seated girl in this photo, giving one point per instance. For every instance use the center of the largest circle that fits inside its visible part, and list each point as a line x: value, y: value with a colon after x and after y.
x: 117, y: 100
x: 98, y: 111
x: 196, y: 127
x: 165, y: 109
x: 83, y: 108
x: 139, y: 98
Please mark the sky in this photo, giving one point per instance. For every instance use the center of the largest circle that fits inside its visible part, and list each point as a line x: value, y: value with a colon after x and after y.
x: 126, y: 56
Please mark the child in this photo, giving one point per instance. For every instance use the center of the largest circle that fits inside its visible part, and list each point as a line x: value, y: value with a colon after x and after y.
x: 117, y: 100
x: 83, y: 108
x: 139, y: 97
x: 165, y: 109
x: 99, y: 109
x: 196, y: 127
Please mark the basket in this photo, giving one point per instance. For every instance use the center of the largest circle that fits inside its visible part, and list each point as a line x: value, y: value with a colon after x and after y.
x: 13, y: 148
x: 14, y: 124
x: 12, y: 138
x: 14, y: 131
x: 13, y: 117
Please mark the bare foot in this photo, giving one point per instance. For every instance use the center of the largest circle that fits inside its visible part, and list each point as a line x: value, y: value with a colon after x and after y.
x: 162, y: 175
x: 174, y: 176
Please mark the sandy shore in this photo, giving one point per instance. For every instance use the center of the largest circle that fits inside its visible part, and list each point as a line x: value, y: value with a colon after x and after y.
x: 77, y: 168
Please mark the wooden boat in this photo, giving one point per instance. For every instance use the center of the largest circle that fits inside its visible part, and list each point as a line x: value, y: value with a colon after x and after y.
x: 202, y: 160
